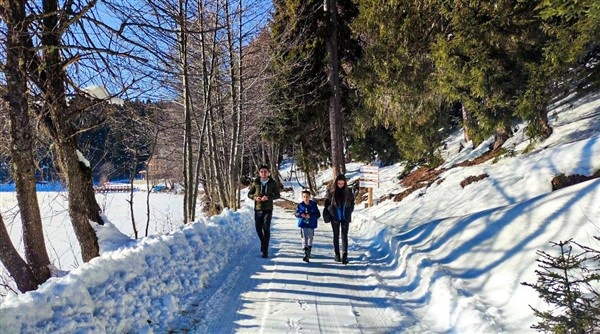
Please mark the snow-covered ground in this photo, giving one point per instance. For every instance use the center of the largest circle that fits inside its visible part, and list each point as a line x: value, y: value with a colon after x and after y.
x: 166, y: 214
x: 446, y: 259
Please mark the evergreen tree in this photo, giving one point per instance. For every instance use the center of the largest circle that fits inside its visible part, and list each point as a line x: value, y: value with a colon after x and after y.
x: 570, y: 57
x: 299, y: 91
x: 394, y: 76
x: 483, y: 60
x: 116, y: 139
x: 376, y: 142
x: 566, y: 282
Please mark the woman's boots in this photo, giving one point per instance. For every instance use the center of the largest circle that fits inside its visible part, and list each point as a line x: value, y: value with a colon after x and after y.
x: 343, y: 259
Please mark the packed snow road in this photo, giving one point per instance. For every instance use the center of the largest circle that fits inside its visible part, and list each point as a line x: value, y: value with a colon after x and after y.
x: 283, y: 294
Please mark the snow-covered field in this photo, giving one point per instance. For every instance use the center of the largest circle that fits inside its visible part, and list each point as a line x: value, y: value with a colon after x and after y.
x: 446, y: 259
x: 166, y: 214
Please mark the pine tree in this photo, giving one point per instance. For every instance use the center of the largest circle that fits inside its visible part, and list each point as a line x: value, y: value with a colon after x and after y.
x: 566, y: 282
x: 376, y: 142
x: 571, y: 49
x: 299, y: 90
x: 483, y: 60
x: 394, y: 76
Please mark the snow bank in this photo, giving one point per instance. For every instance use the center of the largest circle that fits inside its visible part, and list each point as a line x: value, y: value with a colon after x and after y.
x: 135, y: 288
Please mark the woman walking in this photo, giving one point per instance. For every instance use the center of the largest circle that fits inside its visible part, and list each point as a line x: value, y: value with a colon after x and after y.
x: 339, y: 205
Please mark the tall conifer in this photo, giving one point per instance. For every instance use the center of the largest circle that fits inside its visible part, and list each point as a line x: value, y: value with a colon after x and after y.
x: 483, y: 59
x: 394, y: 75
x: 570, y: 58
x: 299, y: 90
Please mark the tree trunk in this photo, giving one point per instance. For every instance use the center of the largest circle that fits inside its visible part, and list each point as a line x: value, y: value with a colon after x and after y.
x: 214, y: 164
x: 467, y: 118
x: 82, y: 202
x: 500, y: 137
x: 274, y: 157
x: 240, y: 109
x: 188, y: 153
x: 22, y: 158
x: 546, y: 129
x: 235, y: 90
x: 335, y: 108
x: 131, y: 180
x: 207, y: 73
x: 24, y: 175
x: 91, y: 203
x: 312, y: 183
x: 15, y: 265
x: 77, y: 193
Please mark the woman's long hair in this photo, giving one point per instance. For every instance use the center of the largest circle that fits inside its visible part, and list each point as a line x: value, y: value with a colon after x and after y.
x: 339, y: 194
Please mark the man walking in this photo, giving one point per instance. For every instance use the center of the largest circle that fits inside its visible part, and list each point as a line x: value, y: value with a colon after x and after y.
x: 263, y: 191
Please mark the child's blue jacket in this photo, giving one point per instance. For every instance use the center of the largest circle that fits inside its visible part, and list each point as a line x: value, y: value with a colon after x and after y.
x: 311, y: 209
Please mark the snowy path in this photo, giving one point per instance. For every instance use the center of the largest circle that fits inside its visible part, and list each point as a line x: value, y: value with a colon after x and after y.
x: 283, y: 294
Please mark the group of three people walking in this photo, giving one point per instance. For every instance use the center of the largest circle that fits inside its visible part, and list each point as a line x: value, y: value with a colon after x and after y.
x: 339, y: 205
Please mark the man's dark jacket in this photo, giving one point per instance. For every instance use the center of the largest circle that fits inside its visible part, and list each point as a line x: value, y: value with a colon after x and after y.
x: 271, y: 189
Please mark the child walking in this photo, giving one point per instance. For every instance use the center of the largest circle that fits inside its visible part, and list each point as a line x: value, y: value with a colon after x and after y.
x: 308, y: 215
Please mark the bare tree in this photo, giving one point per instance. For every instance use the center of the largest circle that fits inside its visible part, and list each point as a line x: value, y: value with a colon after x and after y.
x: 226, y: 78
x: 235, y: 56
x: 49, y: 46
x: 36, y: 270
x: 188, y: 151
x: 258, y: 150
x: 17, y: 267
x: 201, y: 46
x: 50, y: 41
x: 165, y: 163
x: 162, y: 30
x: 49, y: 72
